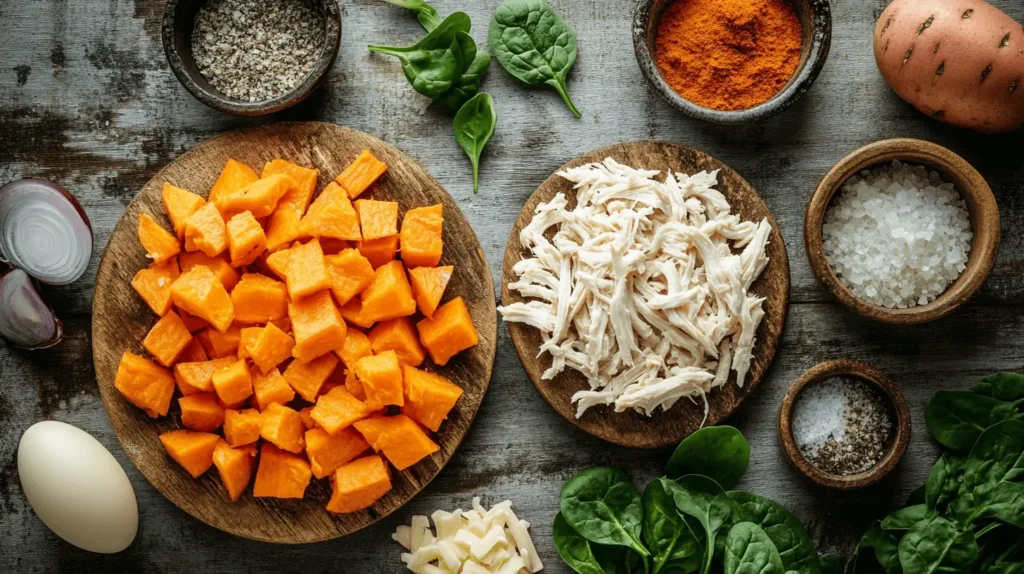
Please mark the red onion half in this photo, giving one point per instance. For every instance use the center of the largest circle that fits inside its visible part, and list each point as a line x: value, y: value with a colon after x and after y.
x: 44, y: 231
x: 25, y: 319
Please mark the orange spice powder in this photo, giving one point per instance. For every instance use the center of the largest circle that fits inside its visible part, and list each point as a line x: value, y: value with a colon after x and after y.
x: 728, y: 54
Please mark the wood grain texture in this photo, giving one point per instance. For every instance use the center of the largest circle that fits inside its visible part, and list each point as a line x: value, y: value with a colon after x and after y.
x: 121, y: 320
x: 663, y: 428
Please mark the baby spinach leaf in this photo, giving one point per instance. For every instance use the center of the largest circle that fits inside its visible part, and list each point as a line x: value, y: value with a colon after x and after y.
x: 474, y: 126
x: 957, y: 418
x: 1007, y: 387
x: 666, y: 533
x: 534, y: 44
x: 436, y: 62
x: 886, y: 547
x: 748, y: 550
x: 604, y: 506
x: 830, y: 564
x: 425, y: 13
x: 1005, y: 568
x: 935, y: 546
x: 720, y: 453
x: 468, y: 84
x: 944, y: 482
x: 574, y: 549
x: 904, y: 518
x: 994, y: 474
x: 703, y: 499
x: 794, y: 545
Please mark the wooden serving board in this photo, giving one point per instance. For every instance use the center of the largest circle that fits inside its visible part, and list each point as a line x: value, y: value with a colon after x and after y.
x: 662, y: 428
x: 121, y: 320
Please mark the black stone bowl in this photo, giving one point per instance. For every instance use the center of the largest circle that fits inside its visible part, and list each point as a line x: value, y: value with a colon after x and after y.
x: 179, y: 21
x: 816, y: 21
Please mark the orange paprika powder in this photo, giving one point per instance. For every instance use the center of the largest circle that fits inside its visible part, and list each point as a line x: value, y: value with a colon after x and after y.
x: 728, y: 54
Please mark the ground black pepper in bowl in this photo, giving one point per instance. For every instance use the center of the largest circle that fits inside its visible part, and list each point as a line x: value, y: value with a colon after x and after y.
x: 842, y: 425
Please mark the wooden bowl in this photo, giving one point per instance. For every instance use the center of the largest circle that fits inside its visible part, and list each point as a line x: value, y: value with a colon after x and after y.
x: 663, y: 428
x: 981, y: 207
x: 815, y: 19
x: 899, y: 411
x: 121, y: 320
x: 179, y: 21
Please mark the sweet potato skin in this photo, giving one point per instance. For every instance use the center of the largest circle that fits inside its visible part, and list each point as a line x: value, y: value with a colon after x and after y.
x: 961, y: 63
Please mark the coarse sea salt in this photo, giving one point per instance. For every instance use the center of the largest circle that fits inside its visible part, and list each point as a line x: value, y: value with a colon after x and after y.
x: 897, y: 236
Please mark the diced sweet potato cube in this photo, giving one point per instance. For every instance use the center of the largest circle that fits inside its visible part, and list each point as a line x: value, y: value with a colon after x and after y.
x: 235, y: 467
x: 428, y: 285
x: 241, y: 427
x: 219, y: 345
x: 201, y: 412
x: 246, y: 240
x: 402, y: 441
x: 192, y: 450
x: 167, y: 339
x: 329, y: 451
x: 377, y: 218
x: 205, y: 230
x: 283, y: 427
x: 259, y: 197
x: 247, y: 335
x: 281, y: 474
x: 301, y: 182
x: 194, y: 377
x: 428, y: 397
x: 192, y: 323
x: 271, y: 388
x: 331, y: 215
x: 277, y: 262
x: 194, y: 352
x: 398, y: 335
x: 379, y: 251
x: 234, y: 177
x: 360, y: 174
x: 359, y: 484
x: 305, y: 272
x: 259, y: 299
x: 307, y: 417
x: 421, y: 236
x: 180, y: 204
x: 145, y: 384
x: 389, y: 296
x: 153, y: 284
x: 381, y: 376
x: 200, y: 293
x: 159, y: 244
x: 283, y: 227
x: 270, y: 348
x: 353, y: 386
x: 350, y: 273
x: 357, y: 345
x: 306, y: 377
x: 337, y: 410
x: 220, y: 267
x: 352, y: 312
x: 233, y: 384
x: 317, y: 325
x: 450, y: 331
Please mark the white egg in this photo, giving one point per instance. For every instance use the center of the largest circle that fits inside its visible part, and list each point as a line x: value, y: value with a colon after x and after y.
x: 77, y: 488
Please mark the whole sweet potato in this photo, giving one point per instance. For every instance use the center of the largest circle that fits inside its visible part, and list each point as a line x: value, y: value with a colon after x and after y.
x: 959, y: 61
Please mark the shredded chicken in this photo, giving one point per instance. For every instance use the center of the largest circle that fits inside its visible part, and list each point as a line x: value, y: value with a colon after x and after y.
x: 643, y: 287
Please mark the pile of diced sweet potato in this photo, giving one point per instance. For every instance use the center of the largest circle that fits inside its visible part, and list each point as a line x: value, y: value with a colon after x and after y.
x: 291, y: 320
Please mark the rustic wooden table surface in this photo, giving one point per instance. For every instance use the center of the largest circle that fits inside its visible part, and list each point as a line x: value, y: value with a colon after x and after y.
x: 87, y: 100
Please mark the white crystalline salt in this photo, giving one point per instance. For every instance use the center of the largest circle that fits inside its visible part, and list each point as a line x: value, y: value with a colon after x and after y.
x: 898, y: 235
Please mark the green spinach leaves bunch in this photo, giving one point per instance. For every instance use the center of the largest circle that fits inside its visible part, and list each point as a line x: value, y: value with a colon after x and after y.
x: 969, y: 515
x: 683, y: 522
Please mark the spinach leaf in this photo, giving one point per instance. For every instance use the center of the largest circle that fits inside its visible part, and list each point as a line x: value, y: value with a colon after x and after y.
x: 436, y: 62
x: 866, y: 557
x: 534, y: 44
x: 957, y: 418
x: 1005, y: 568
x: 703, y: 499
x: 748, y: 550
x: 468, y: 84
x: 719, y: 453
x: 794, y: 545
x: 994, y: 474
x: 672, y: 543
x: 886, y: 547
x: 904, y: 518
x: 425, y: 13
x: 604, y: 506
x: 474, y: 126
x: 574, y: 549
x: 830, y: 564
x: 944, y: 482
x: 1007, y: 387
x: 935, y: 546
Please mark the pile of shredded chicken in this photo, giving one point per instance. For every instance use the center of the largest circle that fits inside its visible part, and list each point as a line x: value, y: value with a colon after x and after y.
x: 644, y: 286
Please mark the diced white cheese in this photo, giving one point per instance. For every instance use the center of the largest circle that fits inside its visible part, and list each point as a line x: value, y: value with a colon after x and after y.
x: 403, y: 536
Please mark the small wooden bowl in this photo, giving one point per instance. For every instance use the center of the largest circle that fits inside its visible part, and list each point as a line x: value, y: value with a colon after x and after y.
x: 901, y: 421
x: 815, y: 19
x: 981, y: 207
x: 179, y: 22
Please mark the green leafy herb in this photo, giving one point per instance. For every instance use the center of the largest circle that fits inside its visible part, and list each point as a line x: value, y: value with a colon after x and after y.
x: 425, y: 13
x: 720, y: 453
x: 673, y: 545
x: 994, y: 474
x: 748, y: 550
x: 794, y: 544
x: 935, y: 545
x: 944, y: 482
x: 435, y: 63
x: 474, y: 126
x: 702, y: 498
x: 904, y: 518
x: 957, y: 418
x: 468, y: 84
x: 574, y: 549
x: 534, y: 44
x: 603, y: 505
x: 830, y: 564
x: 1007, y: 387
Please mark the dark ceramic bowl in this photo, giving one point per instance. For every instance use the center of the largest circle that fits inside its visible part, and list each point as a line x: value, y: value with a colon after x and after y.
x: 179, y: 21
x: 816, y: 21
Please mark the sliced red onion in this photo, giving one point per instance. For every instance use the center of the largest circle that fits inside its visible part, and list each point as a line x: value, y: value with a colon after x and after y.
x: 25, y: 319
x: 44, y: 231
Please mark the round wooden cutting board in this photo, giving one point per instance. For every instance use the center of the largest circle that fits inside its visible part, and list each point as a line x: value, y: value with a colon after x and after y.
x: 662, y: 428
x: 121, y: 320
